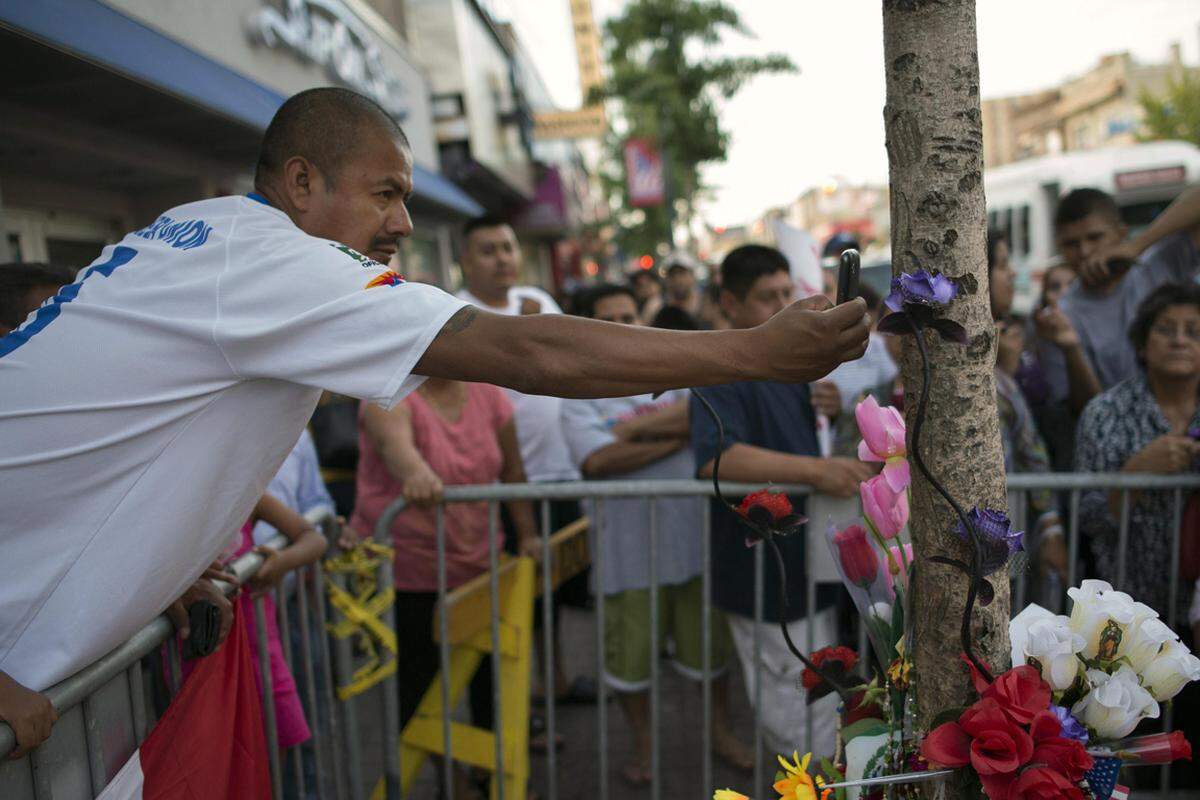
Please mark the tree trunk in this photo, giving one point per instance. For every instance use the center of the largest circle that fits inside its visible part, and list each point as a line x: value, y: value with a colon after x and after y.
x: 935, y: 156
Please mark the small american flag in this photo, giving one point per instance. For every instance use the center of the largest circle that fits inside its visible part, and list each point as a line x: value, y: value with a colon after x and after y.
x: 1120, y: 792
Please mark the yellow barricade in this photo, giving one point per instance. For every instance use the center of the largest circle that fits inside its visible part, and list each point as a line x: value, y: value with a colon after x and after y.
x: 468, y: 624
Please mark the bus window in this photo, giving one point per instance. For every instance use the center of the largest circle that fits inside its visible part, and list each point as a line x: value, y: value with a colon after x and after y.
x: 1006, y: 220
x: 1139, y: 215
x: 1021, y: 237
x: 992, y: 219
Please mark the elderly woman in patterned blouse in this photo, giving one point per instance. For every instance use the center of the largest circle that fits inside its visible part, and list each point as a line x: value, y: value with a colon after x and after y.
x: 1142, y: 425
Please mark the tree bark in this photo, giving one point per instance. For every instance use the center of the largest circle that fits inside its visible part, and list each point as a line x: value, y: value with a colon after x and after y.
x: 935, y: 156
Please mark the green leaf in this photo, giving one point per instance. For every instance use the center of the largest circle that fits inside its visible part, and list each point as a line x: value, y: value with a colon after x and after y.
x: 833, y: 775
x: 897, y: 621
x: 864, y: 727
x: 946, y: 715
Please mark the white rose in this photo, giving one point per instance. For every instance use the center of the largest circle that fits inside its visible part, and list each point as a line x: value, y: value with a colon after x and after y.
x: 1147, y: 641
x: 1116, y: 703
x: 1172, y: 669
x: 1018, y: 629
x: 1105, y: 618
x: 1051, y: 646
x: 882, y: 611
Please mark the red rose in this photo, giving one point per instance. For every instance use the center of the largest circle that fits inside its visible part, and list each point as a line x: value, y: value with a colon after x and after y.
x: 947, y: 745
x: 977, y: 679
x: 774, y: 503
x: 1021, y: 692
x: 1044, y: 783
x: 1067, y: 756
x: 856, y: 709
x: 1157, y: 748
x: 1045, y: 725
x: 999, y: 746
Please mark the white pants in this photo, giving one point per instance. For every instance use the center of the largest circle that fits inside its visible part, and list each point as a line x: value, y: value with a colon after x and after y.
x: 784, y: 704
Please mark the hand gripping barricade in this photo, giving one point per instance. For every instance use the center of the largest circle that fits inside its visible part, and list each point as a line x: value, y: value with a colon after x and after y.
x: 105, y: 713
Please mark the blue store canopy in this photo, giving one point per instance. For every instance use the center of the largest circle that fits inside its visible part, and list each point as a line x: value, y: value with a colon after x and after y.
x: 97, y: 33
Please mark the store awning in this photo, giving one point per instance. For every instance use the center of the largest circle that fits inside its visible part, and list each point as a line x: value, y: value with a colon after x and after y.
x: 96, y: 33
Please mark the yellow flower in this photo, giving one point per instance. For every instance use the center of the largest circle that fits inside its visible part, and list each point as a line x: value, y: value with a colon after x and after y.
x: 898, y: 673
x: 728, y: 794
x: 796, y: 783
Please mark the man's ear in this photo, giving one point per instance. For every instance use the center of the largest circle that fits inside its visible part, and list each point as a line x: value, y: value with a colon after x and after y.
x: 300, y: 181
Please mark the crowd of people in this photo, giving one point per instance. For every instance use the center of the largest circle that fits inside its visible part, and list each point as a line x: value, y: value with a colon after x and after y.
x: 1102, y: 376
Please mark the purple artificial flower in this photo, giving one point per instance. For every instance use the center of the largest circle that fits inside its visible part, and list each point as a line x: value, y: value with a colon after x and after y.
x: 998, y: 539
x: 921, y: 288
x: 1194, y: 433
x: 1071, y: 727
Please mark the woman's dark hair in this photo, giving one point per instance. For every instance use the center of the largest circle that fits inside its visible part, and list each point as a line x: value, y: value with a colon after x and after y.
x: 1158, y: 301
x: 994, y: 238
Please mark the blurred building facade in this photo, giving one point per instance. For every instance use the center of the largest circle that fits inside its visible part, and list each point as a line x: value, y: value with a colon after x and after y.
x: 113, y: 110
x: 1097, y: 109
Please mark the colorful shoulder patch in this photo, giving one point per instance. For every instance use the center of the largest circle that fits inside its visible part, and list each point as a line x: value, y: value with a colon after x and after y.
x: 389, y: 278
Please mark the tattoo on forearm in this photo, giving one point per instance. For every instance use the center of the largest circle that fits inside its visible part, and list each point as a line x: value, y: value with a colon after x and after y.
x: 461, y: 320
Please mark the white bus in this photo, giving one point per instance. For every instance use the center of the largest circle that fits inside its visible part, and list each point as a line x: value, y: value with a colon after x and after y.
x: 1022, y: 197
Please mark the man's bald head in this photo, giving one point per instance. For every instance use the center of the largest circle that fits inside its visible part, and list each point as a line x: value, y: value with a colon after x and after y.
x: 323, y: 126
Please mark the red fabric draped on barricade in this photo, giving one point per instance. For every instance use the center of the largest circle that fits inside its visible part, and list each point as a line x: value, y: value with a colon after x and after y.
x: 210, y: 743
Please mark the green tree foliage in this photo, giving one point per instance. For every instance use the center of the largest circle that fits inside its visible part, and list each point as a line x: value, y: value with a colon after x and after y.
x: 667, y: 86
x: 1175, y: 114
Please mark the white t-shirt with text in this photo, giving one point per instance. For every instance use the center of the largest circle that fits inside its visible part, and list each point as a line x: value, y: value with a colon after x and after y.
x: 144, y: 408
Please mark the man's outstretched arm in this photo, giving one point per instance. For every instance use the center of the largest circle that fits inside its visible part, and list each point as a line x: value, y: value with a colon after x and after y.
x: 574, y: 357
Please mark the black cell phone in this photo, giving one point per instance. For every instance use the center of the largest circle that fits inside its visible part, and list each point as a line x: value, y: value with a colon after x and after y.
x: 1119, y: 266
x: 204, y: 622
x: 848, y: 272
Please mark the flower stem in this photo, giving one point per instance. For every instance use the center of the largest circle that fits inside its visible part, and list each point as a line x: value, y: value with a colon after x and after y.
x: 973, y: 534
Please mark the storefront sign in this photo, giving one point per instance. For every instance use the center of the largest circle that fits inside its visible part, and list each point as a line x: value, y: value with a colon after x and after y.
x: 328, y: 34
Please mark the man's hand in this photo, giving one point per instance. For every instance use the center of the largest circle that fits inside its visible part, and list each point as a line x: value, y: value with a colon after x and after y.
x: 827, y: 398
x: 202, y: 589
x: 1095, y: 271
x: 29, y: 714
x: 840, y: 477
x: 1165, y: 455
x: 1053, y: 325
x: 422, y: 487
x: 805, y: 341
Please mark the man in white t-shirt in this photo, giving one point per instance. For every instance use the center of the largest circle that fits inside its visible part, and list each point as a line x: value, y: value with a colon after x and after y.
x: 144, y: 408
x: 491, y: 263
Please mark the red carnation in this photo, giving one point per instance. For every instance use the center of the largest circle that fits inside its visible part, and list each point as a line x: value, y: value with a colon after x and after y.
x: 841, y: 659
x: 774, y: 503
x: 1043, y: 783
x: 1021, y: 692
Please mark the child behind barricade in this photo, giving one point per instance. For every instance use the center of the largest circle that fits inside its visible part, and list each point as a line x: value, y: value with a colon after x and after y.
x: 306, y: 545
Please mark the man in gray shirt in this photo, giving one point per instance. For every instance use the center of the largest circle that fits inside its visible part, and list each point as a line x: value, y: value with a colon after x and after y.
x: 646, y: 438
x: 1084, y: 346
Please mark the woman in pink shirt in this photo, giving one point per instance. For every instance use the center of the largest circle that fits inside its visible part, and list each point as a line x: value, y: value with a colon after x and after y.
x: 445, y: 433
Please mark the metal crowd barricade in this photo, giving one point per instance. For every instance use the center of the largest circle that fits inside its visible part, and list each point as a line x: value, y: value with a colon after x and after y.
x: 105, y: 709
x: 1020, y: 485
